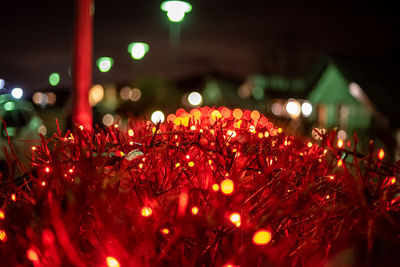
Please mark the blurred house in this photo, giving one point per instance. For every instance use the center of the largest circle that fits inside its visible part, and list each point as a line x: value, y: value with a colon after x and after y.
x: 357, y: 95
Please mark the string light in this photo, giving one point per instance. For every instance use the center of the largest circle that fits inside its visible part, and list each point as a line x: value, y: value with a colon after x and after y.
x: 340, y: 143
x: 381, y: 154
x: 3, y: 236
x: 165, y: 231
x: 235, y: 219
x: 146, y: 211
x: 2, y: 216
x: 32, y: 255
x: 112, y: 262
x: 227, y: 186
x: 262, y: 237
x: 195, y: 210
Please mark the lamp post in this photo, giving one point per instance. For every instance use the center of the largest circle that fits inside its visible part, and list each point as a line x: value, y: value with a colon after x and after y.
x: 176, y: 11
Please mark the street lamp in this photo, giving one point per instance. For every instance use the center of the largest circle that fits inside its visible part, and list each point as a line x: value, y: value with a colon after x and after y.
x: 176, y: 10
x: 138, y: 50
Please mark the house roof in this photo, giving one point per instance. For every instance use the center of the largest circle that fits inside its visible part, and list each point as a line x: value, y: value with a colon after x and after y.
x: 379, y: 78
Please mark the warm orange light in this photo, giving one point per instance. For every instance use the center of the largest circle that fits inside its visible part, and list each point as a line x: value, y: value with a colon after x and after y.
x: 190, y: 163
x: 116, y: 125
x: 130, y: 132
x: 33, y: 148
x: 327, y: 197
x: 280, y: 130
x: 252, y: 129
x: 309, y: 144
x: 47, y: 169
x: 141, y: 165
x: 340, y: 163
x: 331, y: 177
x: 177, y: 165
x: 195, y: 210
x: 340, y: 143
x: 381, y: 154
x: 266, y: 134
x: 112, y: 262
x: 237, y: 113
x: 80, y: 127
x: 235, y: 219
x: 215, y: 187
x: 392, y: 181
x: 262, y: 237
x: 146, y: 211
x: 71, y: 170
x: 3, y: 236
x: 227, y: 186
x: 43, y: 183
x: 231, y: 133
x: 165, y: 231
x: 32, y: 255
x: 192, y: 127
x: 260, y: 135
x: 216, y: 115
x: 255, y: 115
x: 13, y: 197
x: 2, y: 216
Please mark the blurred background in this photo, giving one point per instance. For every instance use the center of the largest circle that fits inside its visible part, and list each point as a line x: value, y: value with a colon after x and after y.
x: 303, y: 64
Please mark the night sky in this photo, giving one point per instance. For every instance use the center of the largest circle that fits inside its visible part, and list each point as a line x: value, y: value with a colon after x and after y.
x: 233, y: 37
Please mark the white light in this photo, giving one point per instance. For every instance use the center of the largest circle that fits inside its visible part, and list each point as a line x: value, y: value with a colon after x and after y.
x: 108, y: 120
x: 2, y: 83
x: 105, y: 65
x: 195, y: 98
x: 176, y: 9
x: 17, y: 93
x: 355, y: 90
x: 96, y: 94
x: 157, y: 116
x: 138, y: 51
x: 293, y: 108
x: 306, y: 109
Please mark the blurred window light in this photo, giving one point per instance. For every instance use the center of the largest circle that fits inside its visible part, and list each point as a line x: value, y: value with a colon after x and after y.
x: 306, y: 109
x: 54, y: 79
x: 9, y: 106
x: 138, y: 50
x: 125, y: 93
x: 176, y: 10
x: 2, y: 83
x: 108, y: 120
x: 17, y: 93
x: 195, y: 99
x: 42, y: 130
x: 342, y: 135
x: 277, y: 109
x: 105, y: 63
x: 293, y: 108
x: 157, y: 116
x: 96, y: 94
x: 135, y: 94
x: 51, y: 98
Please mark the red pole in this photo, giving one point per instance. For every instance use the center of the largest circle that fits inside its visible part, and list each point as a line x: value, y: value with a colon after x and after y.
x: 82, y: 66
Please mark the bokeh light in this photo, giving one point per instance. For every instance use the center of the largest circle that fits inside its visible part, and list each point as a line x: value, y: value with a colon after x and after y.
x: 157, y: 116
x: 108, y: 120
x: 135, y: 94
x: 112, y: 262
x: 105, y: 63
x: 293, y: 108
x: 176, y: 10
x: 306, y: 109
x: 227, y: 186
x: 138, y: 50
x: 262, y: 237
x: 2, y: 83
x: 96, y: 94
x: 17, y: 93
x: 195, y: 99
x: 54, y: 79
x: 9, y: 106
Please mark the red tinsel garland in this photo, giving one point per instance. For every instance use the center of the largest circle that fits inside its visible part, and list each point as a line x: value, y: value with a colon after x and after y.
x: 213, y: 187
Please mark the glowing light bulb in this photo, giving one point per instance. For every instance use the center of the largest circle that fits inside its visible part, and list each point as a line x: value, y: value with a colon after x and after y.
x: 195, y: 210
x: 237, y: 113
x: 293, y: 108
x: 340, y: 163
x: 235, y: 219
x: 32, y: 255
x: 227, y: 186
x: 13, y: 197
x: 43, y: 183
x: 215, y: 187
x: 2, y: 216
x: 54, y: 79
x: 195, y: 98
x: 47, y: 169
x: 3, y: 236
x: 112, y: 262
x: 138, y: 50
x: 381, y: 154
x: 176, y: 10
x: 306, y: 109
x: 309, y: 144
x: 165, y: 231
x: 392, y: 181
x: 216, y: 115
x: 146, y: 211
x: 157, y: 117
x: 262, y: 237
x: 340, y: 143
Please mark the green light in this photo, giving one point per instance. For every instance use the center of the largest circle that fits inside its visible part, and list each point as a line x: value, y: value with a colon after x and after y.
x: 138, y: 50
x: 104, y: 63
x: 9, y: 106
x: 54, y: 79
x: 176, y: 10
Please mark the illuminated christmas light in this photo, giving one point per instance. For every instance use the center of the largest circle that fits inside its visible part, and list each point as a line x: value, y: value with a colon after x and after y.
x: 146, y: 211
x: 266, y: 134
x: 47, y: 169
x: 195, y: 99
x: 13, y: 197
x: 340, y: 163
x: 192, y: 127
x: 392, y: 180
x: 235, y: 219
x: 177, y: 165
x: 215, y: 187
x: 43, y: 183
x: 381, y: 154
x: 340, y: 143
x: 227, y: 186
x: 190, y: 163
x: 3, y: 236
x: 237, y: 113
x: 165, y: 231
x: 33, y: 148
x: 112, y: 262
x: 309, y: 144
x: 157, y: 117
x: 255, y: 115
x: 32, y: 255
x: 2, y: 216
x: 262, y: 237
x: 252, y: 129
x: 195, y: 210
x: 260, y: 135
